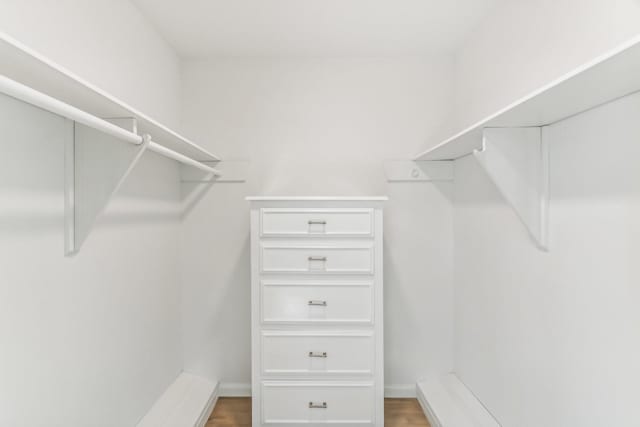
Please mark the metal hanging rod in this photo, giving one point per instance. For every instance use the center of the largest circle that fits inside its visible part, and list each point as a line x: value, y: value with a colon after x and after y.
x: 31, y: 96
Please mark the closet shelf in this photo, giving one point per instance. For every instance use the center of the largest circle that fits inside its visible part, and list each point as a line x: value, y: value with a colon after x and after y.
x: 604, y: 79
x: 48, y: 103
x: 109, y: 137
x: 23, y: 65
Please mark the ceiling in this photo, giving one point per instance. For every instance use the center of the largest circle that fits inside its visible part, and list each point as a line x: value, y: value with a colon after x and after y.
x: 309, y: 28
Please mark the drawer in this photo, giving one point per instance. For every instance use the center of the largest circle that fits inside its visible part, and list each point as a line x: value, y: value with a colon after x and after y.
x: 317, y: 353
x: 317, y: 302
x: 320, y: 403
x: 316, y: 222
x: 316, y: 259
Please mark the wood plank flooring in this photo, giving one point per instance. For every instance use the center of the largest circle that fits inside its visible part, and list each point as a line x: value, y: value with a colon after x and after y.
x: 231, y: 412
x: 404, y: 413
x: 236, y: 412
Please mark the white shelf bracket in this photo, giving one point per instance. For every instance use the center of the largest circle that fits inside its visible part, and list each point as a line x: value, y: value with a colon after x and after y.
x: 418, y: 171
x: 517, y: 161
x: 232, y: 171
x: 95, y: 168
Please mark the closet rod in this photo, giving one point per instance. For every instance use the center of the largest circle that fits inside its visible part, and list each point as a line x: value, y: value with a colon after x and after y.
x: 31, y: 96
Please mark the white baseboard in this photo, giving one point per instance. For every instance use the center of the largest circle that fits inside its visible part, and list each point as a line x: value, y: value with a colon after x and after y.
x: 447, y: 402
x: 235, y: 390
x: 188, y: 402
x: 400, y: 390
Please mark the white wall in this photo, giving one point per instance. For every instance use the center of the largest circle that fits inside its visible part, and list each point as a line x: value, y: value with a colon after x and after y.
x: 318, y: 127
x: 107, y: 42
x: 524, y: 44
x: 91, y: 340
x: 550, y: 338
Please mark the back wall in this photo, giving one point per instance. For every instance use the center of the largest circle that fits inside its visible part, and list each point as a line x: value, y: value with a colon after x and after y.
x: 318, y: 127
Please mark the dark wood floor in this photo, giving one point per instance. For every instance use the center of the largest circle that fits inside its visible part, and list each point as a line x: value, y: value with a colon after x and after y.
x: 236, y: 412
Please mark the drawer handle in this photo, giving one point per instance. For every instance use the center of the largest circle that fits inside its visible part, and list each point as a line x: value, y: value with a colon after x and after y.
x: 316, y: 302
x: 317, y: 222
x: 322, y: 405
x: 314, y: 354
x: 317, y: 258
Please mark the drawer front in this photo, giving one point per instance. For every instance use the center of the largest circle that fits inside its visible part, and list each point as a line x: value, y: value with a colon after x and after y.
x: 317, y: 302
x: 317, y: 353
x: 316, y: 222
x: 322, y: 403
x: 310, y: 259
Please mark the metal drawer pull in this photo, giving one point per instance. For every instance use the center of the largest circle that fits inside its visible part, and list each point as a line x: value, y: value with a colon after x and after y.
x: 318, y: 405
x: 313, y: 354
x: 315, y: 302
x: 317, y: 258
x: 317, y: 222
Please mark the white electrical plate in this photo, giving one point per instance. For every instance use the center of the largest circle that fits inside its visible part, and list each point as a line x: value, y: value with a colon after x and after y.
x: 421, y: 171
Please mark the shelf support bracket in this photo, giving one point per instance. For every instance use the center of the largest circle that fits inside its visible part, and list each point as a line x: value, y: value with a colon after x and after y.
x: 517, y: 161
x: 95, y: 168
x: 233, y: 171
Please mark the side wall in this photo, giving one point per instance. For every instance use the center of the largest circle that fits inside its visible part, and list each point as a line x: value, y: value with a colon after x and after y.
x: 91, y: 340
x: 550, y: 338
x: 108, y: 43
x: 524, y: 44
x: 318, y: 127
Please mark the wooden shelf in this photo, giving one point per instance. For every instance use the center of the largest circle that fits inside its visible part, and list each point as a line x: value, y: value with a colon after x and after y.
x: 607, y: 78
x: 22, y: 64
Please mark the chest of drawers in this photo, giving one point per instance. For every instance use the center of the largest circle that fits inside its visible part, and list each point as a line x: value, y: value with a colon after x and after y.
x: 316, y: 318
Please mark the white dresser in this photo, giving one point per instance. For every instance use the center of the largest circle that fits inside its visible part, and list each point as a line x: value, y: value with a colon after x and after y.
x: 316, y: 295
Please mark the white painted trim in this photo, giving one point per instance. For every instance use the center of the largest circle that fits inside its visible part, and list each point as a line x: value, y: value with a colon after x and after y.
x: 400, y: 390
x: 188, y: 402
x: 235, y: 390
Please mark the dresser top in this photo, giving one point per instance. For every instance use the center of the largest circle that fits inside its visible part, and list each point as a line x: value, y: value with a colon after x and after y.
x: 317, y: 199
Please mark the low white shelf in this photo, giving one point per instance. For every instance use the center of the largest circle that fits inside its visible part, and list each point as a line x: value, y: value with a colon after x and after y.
x: 188, y: 402
x: 447, y: 402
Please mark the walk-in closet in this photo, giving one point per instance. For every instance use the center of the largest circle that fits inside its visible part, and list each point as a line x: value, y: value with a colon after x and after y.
x: 347, y: 213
